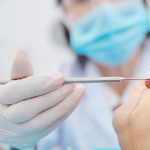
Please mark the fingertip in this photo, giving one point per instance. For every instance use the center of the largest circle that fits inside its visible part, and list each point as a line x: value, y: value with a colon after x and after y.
x: 139, y: 86
x: 22, y: 52
x: 81, y: 88
x: 51, y: 80
x: 62, y: 77
x: 68, y: 87
x: 21, y: 66
x: 59, y: 77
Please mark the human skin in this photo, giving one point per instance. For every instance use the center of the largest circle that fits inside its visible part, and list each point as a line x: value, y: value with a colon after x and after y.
x: 132, y: 120
x: 84, y: 6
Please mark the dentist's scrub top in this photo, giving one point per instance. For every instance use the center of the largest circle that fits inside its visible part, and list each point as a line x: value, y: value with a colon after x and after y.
x: 90, y: 127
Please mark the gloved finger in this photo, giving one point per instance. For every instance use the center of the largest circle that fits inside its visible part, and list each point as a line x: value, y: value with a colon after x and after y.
x: 50, y: 128
x: 21, y: 66
x: 32, y: 86
x: 59, y: 121
x: 48, y: 117
x: 27, y: 109
x: 69, y: 103
x: 34, y: 138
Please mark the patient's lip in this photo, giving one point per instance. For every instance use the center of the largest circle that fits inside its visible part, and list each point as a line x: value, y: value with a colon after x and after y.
x: 147, y: 83
x: 21, y: 66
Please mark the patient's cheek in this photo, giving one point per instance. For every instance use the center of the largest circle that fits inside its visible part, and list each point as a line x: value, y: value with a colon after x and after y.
x: 21, y: 66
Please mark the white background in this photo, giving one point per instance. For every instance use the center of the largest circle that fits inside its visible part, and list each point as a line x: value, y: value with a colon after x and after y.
x: 28, y: 25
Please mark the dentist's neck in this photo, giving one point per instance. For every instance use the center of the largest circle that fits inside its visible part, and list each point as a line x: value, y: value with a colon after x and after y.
x: 126, y: 70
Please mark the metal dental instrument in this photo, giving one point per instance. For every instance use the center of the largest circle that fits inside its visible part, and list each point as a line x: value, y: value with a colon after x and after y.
x: 89, y: 80
x: 100, y: 80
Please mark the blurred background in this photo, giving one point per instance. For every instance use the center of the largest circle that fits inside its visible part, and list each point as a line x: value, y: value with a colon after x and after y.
x: 31, y: 26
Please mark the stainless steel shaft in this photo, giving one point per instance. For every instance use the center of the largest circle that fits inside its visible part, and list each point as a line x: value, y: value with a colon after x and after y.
x: 95, y: 80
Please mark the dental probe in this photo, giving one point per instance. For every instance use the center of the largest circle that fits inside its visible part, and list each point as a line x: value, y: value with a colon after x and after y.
x: 100, y: 80
x: 89, y: 80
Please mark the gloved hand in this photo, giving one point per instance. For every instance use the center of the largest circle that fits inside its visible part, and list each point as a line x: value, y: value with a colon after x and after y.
x: 132, y: 120
x: 32, y: 107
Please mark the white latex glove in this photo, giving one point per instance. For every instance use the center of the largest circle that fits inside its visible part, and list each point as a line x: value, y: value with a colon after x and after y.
x: 31, y: 108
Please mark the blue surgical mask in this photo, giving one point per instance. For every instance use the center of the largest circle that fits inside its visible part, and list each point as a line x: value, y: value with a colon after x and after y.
x: 112, y: 33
